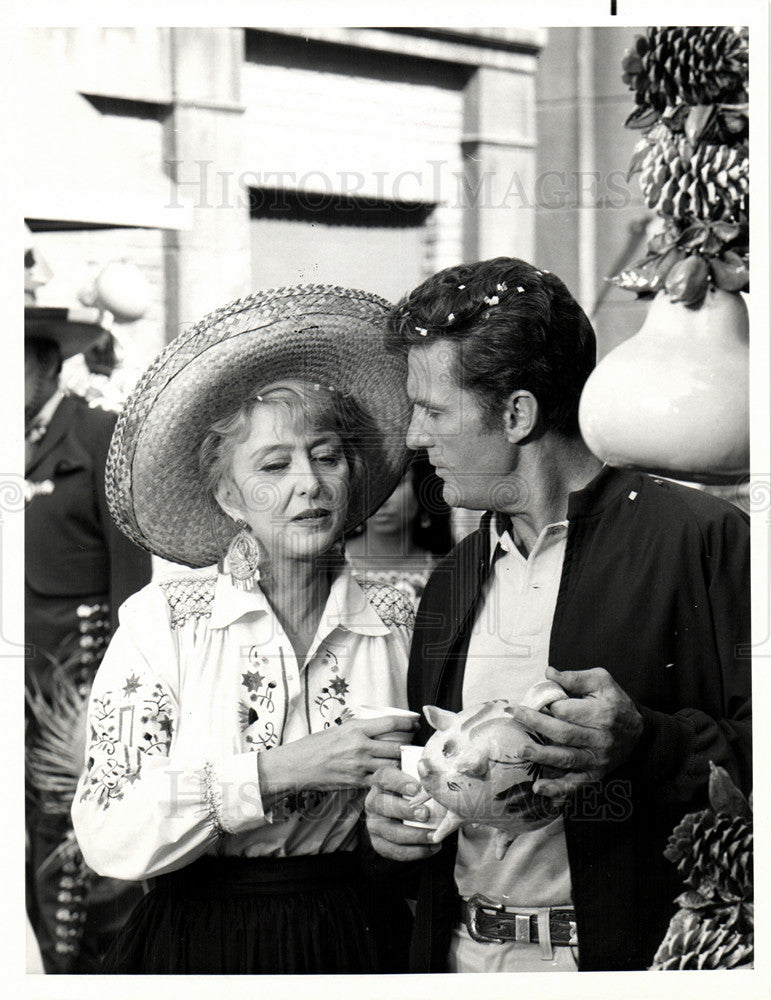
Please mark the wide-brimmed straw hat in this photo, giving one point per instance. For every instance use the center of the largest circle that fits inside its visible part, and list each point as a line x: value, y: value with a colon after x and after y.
x: 318, y: 333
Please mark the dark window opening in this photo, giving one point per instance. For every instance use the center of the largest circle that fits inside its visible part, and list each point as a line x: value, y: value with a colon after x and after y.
x: 335, y: 209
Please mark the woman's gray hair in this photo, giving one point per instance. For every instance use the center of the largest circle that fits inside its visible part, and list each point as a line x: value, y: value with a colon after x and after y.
x: 309, y: 406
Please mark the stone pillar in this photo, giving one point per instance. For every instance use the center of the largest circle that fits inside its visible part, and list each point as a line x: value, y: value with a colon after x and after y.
x: 207, y: 265
x: 499, y: 158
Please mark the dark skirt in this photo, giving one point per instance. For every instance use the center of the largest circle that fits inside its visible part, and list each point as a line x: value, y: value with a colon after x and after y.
x: 251, y: 915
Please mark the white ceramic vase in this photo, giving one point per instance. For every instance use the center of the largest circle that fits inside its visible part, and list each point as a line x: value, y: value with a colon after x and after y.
x: 674, y: 398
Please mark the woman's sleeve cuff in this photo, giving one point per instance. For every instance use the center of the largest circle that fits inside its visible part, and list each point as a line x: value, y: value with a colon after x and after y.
x: 232, y: 794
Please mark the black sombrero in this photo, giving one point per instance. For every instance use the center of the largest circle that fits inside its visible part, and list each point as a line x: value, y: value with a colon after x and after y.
x: 74, y: 330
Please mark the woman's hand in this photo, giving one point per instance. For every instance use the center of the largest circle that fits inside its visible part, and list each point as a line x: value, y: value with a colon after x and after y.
x: 339, y: 757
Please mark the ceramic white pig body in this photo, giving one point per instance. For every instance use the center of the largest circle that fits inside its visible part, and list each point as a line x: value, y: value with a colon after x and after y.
x: 472, y: 766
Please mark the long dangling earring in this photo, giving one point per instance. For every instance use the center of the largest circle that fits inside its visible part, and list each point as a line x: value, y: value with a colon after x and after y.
x: 242, y: 558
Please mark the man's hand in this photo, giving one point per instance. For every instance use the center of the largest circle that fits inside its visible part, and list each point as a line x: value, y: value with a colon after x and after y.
x: 595, y: 730
x: 387, y: 807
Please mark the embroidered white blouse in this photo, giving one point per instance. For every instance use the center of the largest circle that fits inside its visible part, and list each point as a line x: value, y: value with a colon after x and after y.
x: 200, y: 677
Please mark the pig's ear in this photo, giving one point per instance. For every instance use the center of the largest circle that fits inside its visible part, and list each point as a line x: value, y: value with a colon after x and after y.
x: 542, y: 694
x: 439, y: 718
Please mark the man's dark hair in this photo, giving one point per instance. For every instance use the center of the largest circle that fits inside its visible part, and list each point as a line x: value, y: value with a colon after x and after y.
x: 516, y: 327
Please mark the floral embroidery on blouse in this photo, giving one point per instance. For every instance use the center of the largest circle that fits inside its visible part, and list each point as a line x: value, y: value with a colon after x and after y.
x: 262, y: 704
x: 331, y: 702
x: 195, y: 648
x: 124, y: 727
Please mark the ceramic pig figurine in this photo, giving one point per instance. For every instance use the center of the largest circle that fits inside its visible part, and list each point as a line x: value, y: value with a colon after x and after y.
x: 472, y: 766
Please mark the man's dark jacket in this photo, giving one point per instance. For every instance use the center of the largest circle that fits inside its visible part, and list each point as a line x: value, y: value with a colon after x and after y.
x: 73, y: 550
x: 655, y: 589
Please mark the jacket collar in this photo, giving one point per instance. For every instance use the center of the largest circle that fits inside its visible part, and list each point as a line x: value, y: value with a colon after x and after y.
x: 607, y: 485
x: 470, y: 565
x: 474, y: 558
x: 346, y: 606
x: 600, y: 492
x: 45, y: 414
x: 57, y: 428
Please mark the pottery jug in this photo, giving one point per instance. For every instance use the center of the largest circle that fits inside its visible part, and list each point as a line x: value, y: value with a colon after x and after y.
x: 674, y: 398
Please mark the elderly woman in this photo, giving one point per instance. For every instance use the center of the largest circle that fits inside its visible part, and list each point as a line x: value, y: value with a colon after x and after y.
x: 225, y: 760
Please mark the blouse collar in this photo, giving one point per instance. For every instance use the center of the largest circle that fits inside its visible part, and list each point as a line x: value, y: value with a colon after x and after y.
x: 346, y: 607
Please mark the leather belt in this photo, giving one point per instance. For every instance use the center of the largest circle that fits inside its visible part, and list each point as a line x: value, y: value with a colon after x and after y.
x: 493, y: 923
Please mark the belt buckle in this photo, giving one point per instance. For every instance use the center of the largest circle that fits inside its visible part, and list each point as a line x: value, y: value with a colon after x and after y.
x: 476, y: 903
x: 522, y: 928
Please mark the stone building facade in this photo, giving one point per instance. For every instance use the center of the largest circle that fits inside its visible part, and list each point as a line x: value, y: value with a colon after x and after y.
x: 221, y: 160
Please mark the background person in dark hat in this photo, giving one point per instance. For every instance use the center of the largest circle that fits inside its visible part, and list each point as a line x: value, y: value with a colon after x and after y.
x: 78, y: 569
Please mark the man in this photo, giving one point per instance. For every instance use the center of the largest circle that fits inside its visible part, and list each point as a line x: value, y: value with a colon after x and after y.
x: 78, y: 570
x: 631, y: 592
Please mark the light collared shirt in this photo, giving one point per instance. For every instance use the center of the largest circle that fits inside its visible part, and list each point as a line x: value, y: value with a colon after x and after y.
x: 200, y: 678
x: 508, y: 652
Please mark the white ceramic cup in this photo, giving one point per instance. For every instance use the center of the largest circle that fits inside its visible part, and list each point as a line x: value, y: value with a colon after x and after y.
x: 410, y: 757
x: 380, y: 711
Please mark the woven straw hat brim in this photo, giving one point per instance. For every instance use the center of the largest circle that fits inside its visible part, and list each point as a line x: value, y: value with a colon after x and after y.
x: 325, y: 335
